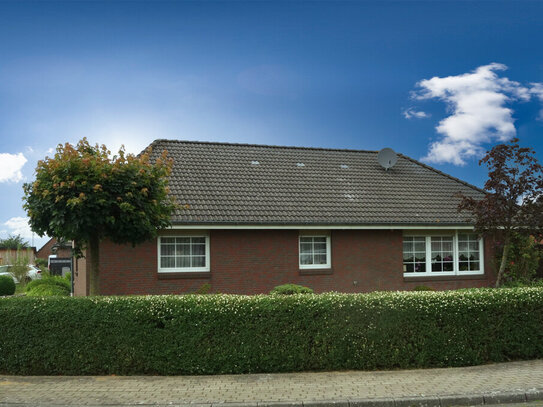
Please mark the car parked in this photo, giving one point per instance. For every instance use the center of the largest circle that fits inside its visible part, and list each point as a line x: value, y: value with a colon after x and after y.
x: 34, y: 273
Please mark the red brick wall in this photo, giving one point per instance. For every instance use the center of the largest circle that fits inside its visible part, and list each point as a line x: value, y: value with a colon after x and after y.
x: 47, y: 249
x: 253, y: 261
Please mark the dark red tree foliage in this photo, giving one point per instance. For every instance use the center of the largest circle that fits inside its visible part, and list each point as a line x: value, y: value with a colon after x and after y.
x: 512, y: 203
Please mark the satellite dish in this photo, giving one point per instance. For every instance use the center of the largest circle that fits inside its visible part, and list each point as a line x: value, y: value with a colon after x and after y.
x: 387, y: 158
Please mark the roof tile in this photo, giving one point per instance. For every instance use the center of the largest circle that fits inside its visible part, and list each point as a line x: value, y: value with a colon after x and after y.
x: 220, y: 185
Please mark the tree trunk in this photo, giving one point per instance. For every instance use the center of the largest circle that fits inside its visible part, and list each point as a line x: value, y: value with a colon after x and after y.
x: 94, y: 283
x: 505, y: 255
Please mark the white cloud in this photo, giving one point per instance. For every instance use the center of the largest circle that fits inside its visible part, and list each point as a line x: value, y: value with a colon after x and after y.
x: 19, y: 226
x: 415, y: 114
x: 537, y: 90
x: 477, y: 102
x: 10, y: 167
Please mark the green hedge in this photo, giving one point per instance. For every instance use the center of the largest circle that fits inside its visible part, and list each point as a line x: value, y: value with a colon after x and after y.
x: 207, y: 334
x: 7, y: 285
x: 49, y: 286
x: 290, y: 289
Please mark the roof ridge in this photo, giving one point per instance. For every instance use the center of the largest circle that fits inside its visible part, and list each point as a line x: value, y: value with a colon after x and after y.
x: 224, y: 143
x: 443, y: 173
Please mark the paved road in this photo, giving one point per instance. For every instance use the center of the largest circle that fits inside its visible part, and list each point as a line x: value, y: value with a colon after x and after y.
x: 490, y: 384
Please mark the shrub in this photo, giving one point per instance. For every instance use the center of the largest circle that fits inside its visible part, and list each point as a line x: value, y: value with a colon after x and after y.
x: 289, y: 289
x: 53, y: 286
x: 523, y: 260
x: 19, y: 268
x: 218, y: 334
x: 41, y: 263
x: 7, y: 285
x: 203, y: 289
x: 423, y: 288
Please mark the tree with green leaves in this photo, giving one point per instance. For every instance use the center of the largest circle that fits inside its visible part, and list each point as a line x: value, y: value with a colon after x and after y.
x: 512, y: 204
x: 14, y: 243
x: 86, y: 195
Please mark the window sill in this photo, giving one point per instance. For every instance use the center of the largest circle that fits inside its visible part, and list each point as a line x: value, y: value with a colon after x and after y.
x: 315, y: 272
x: 184, y: 275
x: 454, y: 277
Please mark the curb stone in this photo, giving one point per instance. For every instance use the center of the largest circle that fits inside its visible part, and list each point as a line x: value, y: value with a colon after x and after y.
x: 326, y: 403
x: 506, y: 397
x: 534, y: 395
x: 417, y: 402
x: 471, y: 400
x: 380, y: 402
x: 423, y: 401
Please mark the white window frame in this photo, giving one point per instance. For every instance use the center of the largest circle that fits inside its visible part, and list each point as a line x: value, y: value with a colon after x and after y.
x: 456, y: 263
x: 184, y: 269
x: 328, y: 253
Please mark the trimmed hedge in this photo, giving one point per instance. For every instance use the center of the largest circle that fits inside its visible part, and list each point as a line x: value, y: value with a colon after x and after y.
x: 7, y: 285
x: 290, y: 289
x: 211, y: 334
x: 50, y: 286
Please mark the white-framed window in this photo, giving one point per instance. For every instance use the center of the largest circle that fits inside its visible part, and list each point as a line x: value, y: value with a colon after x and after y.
x: 460, y: 253
x: 183, y: 254
x: 314, y: 252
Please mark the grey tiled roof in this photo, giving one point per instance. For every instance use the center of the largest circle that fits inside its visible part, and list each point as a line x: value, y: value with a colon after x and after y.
x: 222, y: 183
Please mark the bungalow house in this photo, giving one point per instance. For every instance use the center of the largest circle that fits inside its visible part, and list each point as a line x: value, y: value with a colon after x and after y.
x: 253, y: 217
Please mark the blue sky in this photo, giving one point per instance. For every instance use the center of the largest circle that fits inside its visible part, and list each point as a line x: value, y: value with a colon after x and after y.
x: 438, y: 81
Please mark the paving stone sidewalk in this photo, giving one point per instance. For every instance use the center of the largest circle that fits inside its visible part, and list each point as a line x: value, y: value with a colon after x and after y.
x: 489, y: 384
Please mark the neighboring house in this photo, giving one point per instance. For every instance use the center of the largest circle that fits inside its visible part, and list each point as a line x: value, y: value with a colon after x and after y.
x: 9, y: 256
x: 253, y: 217
x: 53, y: 246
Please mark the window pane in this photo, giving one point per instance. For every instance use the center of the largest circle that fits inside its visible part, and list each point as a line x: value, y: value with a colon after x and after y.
x: 320, y: 259
x: 436, y: 246
x: 420, y: 267
x: 474, y: 256
x: 463, y: 256
x: 474, y: 266
x: 408, y: 257
x: 420, y: 257
x: 198, y: 250
x: 448, y: 266
x: 320, y: 248
x: 167, y: 239
x: 437, y: 267
x: 199, y: 261
x: 306, y: 240
x: 306, y: 259
x: 183, y: 261
x: 167, y: 262
x: 306, y: 248
x: 167, y: 249
x: 420, y: 246
x: 183, y: 249
x: 409, y: 268
x: 462, y: 246
x: 407, y: 246
x: 184, y: 240
x: 462, y: 237
x: 199, y: 240
x: 447, y: 247
x: 463, y: 266
x: 319, y: 240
